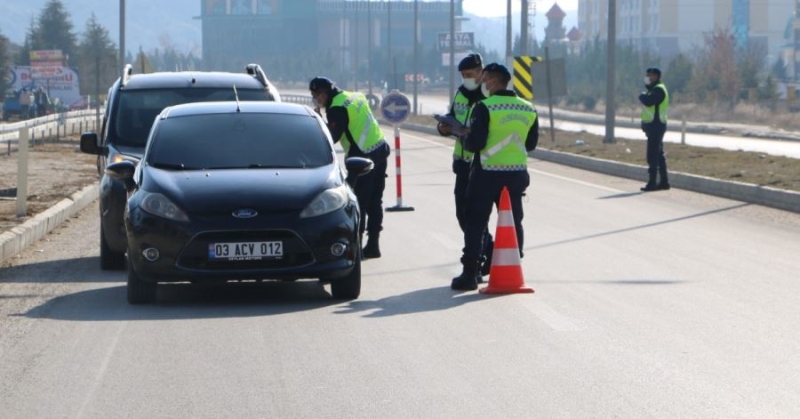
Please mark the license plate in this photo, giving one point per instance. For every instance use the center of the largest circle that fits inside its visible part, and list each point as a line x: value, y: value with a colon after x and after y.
x: 245, y: 251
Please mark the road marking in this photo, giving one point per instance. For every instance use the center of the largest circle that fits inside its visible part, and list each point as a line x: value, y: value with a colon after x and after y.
x: 102, y: 371
x: 552, y: 318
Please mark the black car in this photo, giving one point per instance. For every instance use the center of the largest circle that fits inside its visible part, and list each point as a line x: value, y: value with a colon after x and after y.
x: 133, y: 103
x: 240, y: 191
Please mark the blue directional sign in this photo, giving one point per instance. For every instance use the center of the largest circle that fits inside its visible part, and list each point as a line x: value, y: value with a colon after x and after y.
x: 395, y: 107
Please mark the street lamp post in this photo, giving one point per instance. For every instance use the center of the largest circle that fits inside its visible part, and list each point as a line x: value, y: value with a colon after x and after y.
x: 452, y: 47
x: 369, y: 46
x: 416, y: 53
x: 509, y: 33
x: 355, y: 52
x: 610, y: 80
x: 121, y: 34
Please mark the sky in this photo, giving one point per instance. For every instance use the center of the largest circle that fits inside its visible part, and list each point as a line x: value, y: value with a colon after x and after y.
x: 494, y: 8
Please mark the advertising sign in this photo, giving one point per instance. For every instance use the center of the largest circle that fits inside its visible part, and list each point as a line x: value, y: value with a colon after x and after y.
x: 464, y: 41
x: 64, y: 86
x: 46, y: 55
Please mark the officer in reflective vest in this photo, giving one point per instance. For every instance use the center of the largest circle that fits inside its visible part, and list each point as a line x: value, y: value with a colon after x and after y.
x: 352, y: 124
x: 468, y: 94
x: 503, y: 129
x: 655, y: 102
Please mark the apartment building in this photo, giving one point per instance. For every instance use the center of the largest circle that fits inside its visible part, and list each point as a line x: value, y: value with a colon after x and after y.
x: 672, y: 26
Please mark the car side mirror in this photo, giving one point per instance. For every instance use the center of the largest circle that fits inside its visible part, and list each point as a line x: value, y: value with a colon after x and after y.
x: 90, y: 144
x: 122, y: 171
x: 357, y: 166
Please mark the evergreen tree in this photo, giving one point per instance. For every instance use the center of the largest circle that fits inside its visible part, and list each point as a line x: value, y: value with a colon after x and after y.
x: 5, y: 64
x: 97, y: 58
x: 679, y: 72
x: 54, y: 31
x: 31, y: 39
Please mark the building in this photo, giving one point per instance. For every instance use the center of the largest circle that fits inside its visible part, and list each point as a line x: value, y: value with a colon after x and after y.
x: 333, y: 34
x: 673, y: 26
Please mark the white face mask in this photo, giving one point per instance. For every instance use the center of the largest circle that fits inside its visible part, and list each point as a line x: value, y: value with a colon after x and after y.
x: 485, y: 90
x: 647, y: 81
x: 471, y: 84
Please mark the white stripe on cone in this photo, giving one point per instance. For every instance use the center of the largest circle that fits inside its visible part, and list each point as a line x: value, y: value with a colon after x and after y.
x: 505, y: 218
x: 505, y: 257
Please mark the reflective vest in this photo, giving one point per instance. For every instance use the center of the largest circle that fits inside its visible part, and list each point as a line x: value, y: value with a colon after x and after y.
x: 649, y: 112
x: 462, y: 111
x: 362, y: 125
x: 510, y: 120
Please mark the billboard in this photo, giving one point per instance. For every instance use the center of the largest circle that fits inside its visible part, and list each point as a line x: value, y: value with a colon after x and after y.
x: 464, y: 41
x: 46, y: 55
x: 64, y: 86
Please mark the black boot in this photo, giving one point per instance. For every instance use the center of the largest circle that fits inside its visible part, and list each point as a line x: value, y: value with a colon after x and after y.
x: 664, y: 184
x: 486, y: 263
x: 372, y: 250
x: 468, y: 280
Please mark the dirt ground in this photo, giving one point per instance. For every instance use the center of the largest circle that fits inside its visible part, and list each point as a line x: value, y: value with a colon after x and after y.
x: 55, y: 172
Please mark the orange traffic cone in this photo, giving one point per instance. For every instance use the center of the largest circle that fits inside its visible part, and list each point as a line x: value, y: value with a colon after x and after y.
x: 505, y: 276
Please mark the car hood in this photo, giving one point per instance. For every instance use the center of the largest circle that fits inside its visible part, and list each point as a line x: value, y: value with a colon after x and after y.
x: 223, y: 191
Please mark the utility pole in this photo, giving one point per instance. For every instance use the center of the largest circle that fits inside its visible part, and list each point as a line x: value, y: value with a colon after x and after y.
x: 369, y: 46
x: 509, y: 33
x: 389, y: 68
x: 612, y: 43
x: 355, y: 49
x: 452, y: 48
x: 121, y: 35
x: 523, y: 30
x: 416, y: 53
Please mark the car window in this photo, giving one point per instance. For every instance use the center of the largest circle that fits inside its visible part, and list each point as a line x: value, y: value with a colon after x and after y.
x: 138, y: 108
x: 236, y: 141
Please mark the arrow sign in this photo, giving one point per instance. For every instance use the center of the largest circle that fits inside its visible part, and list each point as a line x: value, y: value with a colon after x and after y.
x: 395, y: 107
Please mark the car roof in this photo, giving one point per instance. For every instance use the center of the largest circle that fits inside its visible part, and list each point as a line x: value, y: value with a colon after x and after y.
x: 230, y: 107
x: 198, y: 79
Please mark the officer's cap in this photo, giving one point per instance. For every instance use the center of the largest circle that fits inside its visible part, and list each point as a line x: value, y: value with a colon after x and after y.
x: 470, y: 61
x: 320, y: 84
x: 498, y: 68
x: 654, y: 70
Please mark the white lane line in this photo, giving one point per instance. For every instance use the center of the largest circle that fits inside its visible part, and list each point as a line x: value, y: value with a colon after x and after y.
x: 101, y: 372
x: 566, y: 179
x: 554, y: 319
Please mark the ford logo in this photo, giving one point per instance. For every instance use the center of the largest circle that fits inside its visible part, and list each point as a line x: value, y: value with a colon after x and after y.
x: 245, y: 213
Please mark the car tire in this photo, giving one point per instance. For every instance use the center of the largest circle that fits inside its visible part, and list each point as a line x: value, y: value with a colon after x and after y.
x: 348, y: 287
x: 109, y: 259
x: 139, y: 291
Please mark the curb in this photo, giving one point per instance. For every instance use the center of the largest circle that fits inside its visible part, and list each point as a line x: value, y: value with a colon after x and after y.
x: 20, y: 237
x: 737, y: 191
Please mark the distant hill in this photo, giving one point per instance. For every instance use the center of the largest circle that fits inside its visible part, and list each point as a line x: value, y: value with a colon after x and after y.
x: 149, y: 23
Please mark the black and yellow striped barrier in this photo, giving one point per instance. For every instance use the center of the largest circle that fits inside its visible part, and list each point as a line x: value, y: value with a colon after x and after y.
x: 523, y: 77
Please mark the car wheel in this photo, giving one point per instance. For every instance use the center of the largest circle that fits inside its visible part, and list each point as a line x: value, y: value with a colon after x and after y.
x: 348, y: 287
x: 109, y: 259
x: 139, y: 291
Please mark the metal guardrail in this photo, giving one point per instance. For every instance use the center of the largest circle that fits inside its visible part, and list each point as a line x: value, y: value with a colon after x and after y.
x: 301, y: 99
x: 49, y: 126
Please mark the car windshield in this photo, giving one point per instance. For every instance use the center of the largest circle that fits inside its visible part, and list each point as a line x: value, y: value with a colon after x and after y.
x: 239, y: 141
x: 138, y: 108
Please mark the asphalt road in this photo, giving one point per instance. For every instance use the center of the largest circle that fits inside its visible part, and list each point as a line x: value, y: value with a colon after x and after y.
x: 662, y: 305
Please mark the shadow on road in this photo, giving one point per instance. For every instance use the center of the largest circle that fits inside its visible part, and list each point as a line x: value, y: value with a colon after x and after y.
x: 418, y: 301
x: 187, y: 301
x: 621, y: 195
x: 83, y: 269
x: 639, y: 227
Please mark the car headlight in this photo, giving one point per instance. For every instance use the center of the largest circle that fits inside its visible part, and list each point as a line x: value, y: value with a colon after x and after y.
x: 160, y: 206
x: 326, y: 202
x: 117, y: 157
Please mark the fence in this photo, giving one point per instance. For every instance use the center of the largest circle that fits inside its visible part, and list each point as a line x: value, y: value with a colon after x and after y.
x: 48, y: 127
